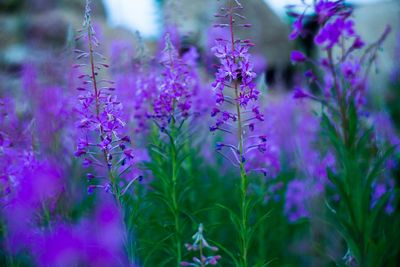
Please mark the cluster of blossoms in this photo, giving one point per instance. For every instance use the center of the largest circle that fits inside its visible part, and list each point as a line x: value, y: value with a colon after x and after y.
x: 174, y: 99
x: 235, y: 67
x: 30, y: 184
x: 236, y: 109
x: 293, y: 134
x: 345, y: 71
x: 340, y: 43
x: 51, y: 110
x: 295, y: 200
x: 162, y: 89
x: 385, y: 136
x: 95, y: 241
x: 30, y: 205
x: 134, y: 82
x: 31, y: 187
x: 102, y: 143
x: 200, y: 244
x: 12, y: 156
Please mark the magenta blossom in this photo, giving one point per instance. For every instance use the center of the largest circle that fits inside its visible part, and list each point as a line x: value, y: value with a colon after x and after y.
x: 175, y: 88
x: 236, y: 111
x: 102, y: 143
x: 297, y: 56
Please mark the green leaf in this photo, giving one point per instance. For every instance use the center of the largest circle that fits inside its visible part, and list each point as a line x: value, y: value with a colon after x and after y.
x: 258, y: 222
x: 155, y: 247
x: 339, y: 184
x: 353, y: 123
x: 233, y: 217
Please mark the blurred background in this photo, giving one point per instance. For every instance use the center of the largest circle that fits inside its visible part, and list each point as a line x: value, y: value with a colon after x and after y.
x: 41, y: 32
x: 32, y: 30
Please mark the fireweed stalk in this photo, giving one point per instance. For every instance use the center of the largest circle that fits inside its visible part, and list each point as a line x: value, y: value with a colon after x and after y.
x: 237, y: 113
x: 171, y: 112
x: 102, y: 144
x: 358, y: 167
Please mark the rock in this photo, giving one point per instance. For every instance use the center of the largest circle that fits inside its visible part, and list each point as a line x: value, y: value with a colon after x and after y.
x: 37, y: 31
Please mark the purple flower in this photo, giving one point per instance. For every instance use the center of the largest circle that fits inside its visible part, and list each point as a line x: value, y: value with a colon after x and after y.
x: 297, y: 28
x: 350, y: 70
x: 296, y: 198
x: 176, y: 86
x: 93, y: 241
x: 297, y: 56
x: 358, y: 43
x: 379, y: 189
x: 326, y: 9
x: 34, y: 185
x: 236, y: 96
x: 100, y: 123
x: 299, y: 93
x: 331, y: 33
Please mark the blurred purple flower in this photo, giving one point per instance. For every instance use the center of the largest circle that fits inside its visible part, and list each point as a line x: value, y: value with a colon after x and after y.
x: 297, y: 28
x: 331, y: 33
x: 297, y: 56
x: 93, y: 242
x: 37, y: 187
x: 297, y: 193
x: 175, y: 88
x: 299, y: 93
x: 326, y: 9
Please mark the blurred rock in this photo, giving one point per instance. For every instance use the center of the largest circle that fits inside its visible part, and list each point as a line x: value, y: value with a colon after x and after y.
x: 39, y: 31
x: 76, y: 6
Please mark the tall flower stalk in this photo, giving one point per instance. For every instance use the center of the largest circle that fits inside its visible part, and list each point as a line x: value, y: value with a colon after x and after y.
x: 102, y: 143
x: 172, y: 111
x: 237, y: 113
x: 359, y: 165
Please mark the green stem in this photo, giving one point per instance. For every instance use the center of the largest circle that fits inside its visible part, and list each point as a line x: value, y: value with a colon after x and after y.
x: 260, y: 235
x: 351, y: 203
x: 174, y: 196
x: 243, y: 233
x: 244, y: 228
x: 341, y: 101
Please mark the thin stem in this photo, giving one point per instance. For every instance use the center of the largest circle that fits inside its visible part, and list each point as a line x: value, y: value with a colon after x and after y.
x: 201, y: 254
x: 174, y: 176
x: 341, y: 100
x: 261, y: 234
x: 243, y: 176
